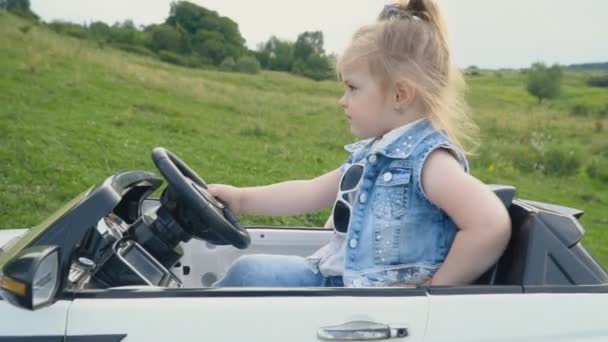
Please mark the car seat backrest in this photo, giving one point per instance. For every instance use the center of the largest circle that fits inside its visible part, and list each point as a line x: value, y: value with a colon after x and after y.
x: 505, y: 193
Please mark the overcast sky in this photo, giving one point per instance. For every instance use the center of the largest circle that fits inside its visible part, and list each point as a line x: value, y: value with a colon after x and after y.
x: 486, y: 33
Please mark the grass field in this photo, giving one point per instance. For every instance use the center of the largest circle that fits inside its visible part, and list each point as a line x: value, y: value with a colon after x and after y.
x: 72, y: 113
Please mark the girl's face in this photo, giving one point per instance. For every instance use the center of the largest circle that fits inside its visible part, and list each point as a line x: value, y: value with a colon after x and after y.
x: 367, y: 108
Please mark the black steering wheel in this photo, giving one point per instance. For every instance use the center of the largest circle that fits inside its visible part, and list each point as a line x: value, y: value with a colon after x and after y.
x: 214, y: 218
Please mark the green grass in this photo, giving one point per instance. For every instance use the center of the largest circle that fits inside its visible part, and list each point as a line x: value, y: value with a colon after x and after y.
x: 73, y: 113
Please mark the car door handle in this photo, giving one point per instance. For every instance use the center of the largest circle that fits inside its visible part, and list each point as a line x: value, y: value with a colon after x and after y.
x: 360, y: 331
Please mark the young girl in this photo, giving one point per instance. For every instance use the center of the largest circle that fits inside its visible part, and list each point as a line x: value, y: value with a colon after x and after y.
x: 405, y: 210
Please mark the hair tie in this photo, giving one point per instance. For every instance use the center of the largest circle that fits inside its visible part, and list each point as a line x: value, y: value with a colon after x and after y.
x: 395, y: 11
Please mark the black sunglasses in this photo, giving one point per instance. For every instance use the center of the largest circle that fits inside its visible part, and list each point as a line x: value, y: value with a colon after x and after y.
x: 349, y: 185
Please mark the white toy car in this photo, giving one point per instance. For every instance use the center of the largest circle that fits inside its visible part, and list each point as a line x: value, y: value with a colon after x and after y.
x: 115, y: 265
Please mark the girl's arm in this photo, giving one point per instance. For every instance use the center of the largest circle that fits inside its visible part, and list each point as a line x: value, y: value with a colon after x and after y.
x: 292, y: 197
x: 483, y: 222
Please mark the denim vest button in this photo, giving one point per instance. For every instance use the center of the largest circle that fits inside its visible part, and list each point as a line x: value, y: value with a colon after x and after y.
x: 378, y: 237
x: 353, y: 243
x: 372, y: 159
x: 388, y: 176
x: 362, y: 198
x: 357, y: 282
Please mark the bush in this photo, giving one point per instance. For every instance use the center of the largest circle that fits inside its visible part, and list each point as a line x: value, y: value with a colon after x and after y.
x: 599, y: 148
x: 604, y: 111
x: 472, y: 70
x: 544, y: 82
x: 316, y: 67
x: 25, y: 28
x: 69, y: 29
x: 165, y: 37
x: 525, y: 158
x: 562, y: 163
x: 598, y: 81
x: 580, y: 110
x: 247, y: 64
x: 99, y: 30
x: 140, y: 50
x: 192, y: 61
x: 228, y: 64
x: 598, y: 169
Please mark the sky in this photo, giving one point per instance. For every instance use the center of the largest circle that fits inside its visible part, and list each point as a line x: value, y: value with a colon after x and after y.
x: 485, y: 33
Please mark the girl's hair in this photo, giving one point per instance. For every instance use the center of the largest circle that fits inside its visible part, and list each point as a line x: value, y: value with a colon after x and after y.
x: 409, y: 42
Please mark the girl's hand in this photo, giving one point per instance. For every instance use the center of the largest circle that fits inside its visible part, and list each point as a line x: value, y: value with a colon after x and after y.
x: 230, y: 195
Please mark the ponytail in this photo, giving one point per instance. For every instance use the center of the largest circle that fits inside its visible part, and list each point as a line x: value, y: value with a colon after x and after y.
x: 428, y: 11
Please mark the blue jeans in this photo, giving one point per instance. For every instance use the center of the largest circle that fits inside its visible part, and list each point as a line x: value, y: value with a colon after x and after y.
x: 275, y: 271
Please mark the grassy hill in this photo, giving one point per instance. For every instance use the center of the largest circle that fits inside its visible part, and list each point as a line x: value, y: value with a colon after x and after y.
x: 73, y: 113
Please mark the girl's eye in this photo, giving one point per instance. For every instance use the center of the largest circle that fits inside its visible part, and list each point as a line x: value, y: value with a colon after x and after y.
x: 351, y: 87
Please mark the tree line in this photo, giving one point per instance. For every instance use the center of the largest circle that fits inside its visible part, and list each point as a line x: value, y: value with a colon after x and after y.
x: 195, y: 36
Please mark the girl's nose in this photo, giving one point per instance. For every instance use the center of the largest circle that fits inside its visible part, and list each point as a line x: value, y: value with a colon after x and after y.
x: 342, y: 101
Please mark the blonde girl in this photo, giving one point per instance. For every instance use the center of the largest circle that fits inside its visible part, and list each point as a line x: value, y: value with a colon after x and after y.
x: 406, y: 211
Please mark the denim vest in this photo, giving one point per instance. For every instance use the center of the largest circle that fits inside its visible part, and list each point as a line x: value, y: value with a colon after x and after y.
x: 396, y: 235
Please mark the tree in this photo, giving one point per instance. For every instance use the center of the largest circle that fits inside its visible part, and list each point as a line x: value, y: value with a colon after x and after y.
x: 211, y: 44
x: 262, y: 55
x: 308, y: 44
x: 100, y: 30
x: 164, y: 37
x: 317, y: 67
x: 124, y: 33
x: 276, y: 54
x: 305, y: 57
x: 19, y: 7
x: 309, y: 57
x: 210, y: 35
x: 544, y: 82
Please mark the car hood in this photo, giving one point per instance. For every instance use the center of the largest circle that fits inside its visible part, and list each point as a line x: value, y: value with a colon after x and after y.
x: 7, y: 235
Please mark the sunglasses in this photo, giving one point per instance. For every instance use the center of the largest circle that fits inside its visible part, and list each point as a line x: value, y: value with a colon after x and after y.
x: 349, y: 185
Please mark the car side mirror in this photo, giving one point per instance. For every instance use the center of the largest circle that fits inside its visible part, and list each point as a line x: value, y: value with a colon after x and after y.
x: 30, y: 280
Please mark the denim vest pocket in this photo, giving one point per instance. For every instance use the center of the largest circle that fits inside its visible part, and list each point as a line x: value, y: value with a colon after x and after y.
x: 391, y: 201
x: 391, y: 198
x: 386, y: 241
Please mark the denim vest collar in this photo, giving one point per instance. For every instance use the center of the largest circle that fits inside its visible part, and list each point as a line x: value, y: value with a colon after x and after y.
x: 403, y: 146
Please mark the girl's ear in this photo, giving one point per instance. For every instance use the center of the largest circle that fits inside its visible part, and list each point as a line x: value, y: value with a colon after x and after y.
x: 404, y: 94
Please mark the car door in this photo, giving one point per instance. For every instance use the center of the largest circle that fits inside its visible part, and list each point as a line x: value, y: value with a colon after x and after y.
x: 45, y: 324
x: 506, y: 313
x: 261, y: 314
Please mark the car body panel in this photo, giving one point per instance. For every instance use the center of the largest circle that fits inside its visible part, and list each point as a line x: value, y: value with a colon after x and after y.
x: 239, y: 317
x: 49, y: 321
x: 538, y: 317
